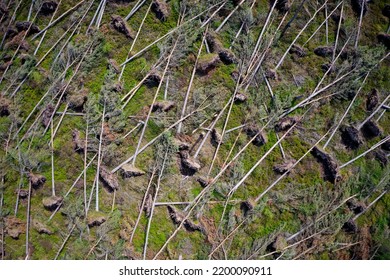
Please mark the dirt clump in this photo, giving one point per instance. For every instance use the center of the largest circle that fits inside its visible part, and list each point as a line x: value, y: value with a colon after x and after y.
x: 14, y: 227
x: 52, y: 203
x: 384, y: 39
x: 381, y: 156
x: 277, y: 245
x: 17, y: 41
x: 188, y: 165
x: 23, y: 193
x: 78, y: 143
x: 284, y: 167
x: 163, y: 106
x: 161, y: 9
x: 253, y: 131
x: 285, y: 124
x: 227, y: 56
x: 358, y: 5
x: 355, y: 206
x: 371, y: 130
x: 78, y: 99
x: 329, y: 165
x: 148, y: 205
x: 372, y: 100
x: 386, y: 11
x: 48, y: 7
x: 207, y: 63
x: 350, y: 226
x: 216, y: 137
x: 178, y: 217
x: 324, y: 51
x: 120, y: 25
x: 240, y: 98
x: 36, y: 180
x: 109, y: 179
x: 386, y: 146
x: 47, y: 114
x: 5, y: 105
x: 283, y: 6
x: 95, y: 219
x: 350, y: 137
x: 298, y: 50
x: 129, y: 170
x: 27, y: 25
x: 247, y: 206
x: 153, y: 79
x: 204, y: 182
x: 41, y: 228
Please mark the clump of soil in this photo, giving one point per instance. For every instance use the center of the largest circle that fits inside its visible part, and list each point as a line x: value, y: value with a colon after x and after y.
x: 23, y: 193
x: 285, y: 124
x: 324, y: 51
x: 109, y: 179
x: 358, y: 5
x: 355, y: 206
x: 14, y: 227
x: 216, y: 137
x: 148, y: 205
x: 78, y: 144
x: 350, y: 226
x: 52, y: 203
x: 252, y: 131
x: 240, y: 98
x: 5, y: 105
x: 247, y: 206
x: 161, y: 9
x: 298, y: 50
x: 17, y: 41
x: 386, y: 146
x: 41, y: 228
x: 283, y: 6
x: 207, y: 63
x: 95, y: 219
x: 25, y: 25
x: 36, y: 180
x: 129, y: 170
x: 47, y: 114
x: 203, y: 182
x: 163, y: 106
x: 328, y: 163
x: 77, y: 100
x: 48, y: 7
x: 178, y: 217
x: 121, y: 26
x: 277, y: 245
x: 227, y: 56
x: 381, y: 157
x: 350, y: 137
x: 153, y: 79
x: 284, y: 167
x: 384, y: 39
x: 371, y: 130
x: 372, y: 100
x: 188, y: 165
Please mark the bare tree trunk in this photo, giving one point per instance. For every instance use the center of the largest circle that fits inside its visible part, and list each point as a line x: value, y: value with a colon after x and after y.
x: 363, y: 3
x: 28, y: 221
x: 58, y: 19
x: 153, y: 205
x: 142, y: 206
x: 99, y: 158
x: 65, y: 241
x: 44, y: 33
x: 297, y: 37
